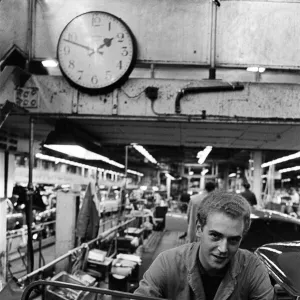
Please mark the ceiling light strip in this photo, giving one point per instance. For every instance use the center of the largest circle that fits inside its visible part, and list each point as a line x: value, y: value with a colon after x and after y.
x: 82, y: 153
x: 76, y: 164
x: 144, y: 152
x: 169, y: 176
x: 281, y: 159
x: 296, y: 168
x: 202, y: 155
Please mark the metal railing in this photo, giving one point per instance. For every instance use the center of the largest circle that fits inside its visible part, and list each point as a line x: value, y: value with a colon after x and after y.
x: 40, y: 227
x: 95, y: 290
x: 68, y: 255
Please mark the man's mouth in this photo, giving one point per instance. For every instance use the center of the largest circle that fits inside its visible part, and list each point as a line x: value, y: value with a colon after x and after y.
x: 220, y: 258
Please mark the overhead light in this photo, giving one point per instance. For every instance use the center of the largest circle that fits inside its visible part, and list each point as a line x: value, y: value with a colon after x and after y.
x: 204, y: 171
x: 232, y: 175
x: 143, y: 187
x: 135, y: 172
x: 256, y: 69
x: 50, y: 63
x: 202, y: 155
x: 73, y: 163
x: 280, y: 160
x: 144, y: 152
x: 286, y: 180
x: 82, y: 153
x: 70, y: 140
x: 191, y: 173
x: 169, y: 176
x: 296, y: 168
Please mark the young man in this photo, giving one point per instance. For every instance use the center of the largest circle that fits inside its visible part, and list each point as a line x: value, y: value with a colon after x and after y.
x: 214, y: 267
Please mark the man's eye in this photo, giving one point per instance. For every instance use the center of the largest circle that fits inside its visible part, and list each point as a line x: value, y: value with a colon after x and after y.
x: 215, y: 236
x: 234, y: 241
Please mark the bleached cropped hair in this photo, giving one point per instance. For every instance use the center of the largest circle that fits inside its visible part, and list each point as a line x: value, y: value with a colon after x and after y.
x: 233, y: 205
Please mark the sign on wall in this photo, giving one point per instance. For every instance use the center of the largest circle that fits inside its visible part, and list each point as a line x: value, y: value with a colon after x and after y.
x: 27, y: 97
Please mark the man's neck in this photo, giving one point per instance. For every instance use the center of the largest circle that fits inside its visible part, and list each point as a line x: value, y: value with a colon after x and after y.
x: 212, y: 272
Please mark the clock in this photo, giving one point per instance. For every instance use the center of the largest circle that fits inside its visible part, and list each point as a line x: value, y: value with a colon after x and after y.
x: 96, y: 52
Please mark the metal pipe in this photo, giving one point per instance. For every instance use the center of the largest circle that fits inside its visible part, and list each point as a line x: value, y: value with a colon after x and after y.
x: 126, y: 166
x: 213, y: 26
x: 100, y: 237
x: 94, y: 290
x: 29, y: 217
x: 31, y: 154
x: 31, y: 15
x: 33, y: 231
x: 204, y: 89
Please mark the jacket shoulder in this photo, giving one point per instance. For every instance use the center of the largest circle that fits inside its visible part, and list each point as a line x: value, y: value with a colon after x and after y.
x: 180, y: 253
x: 247, y: 257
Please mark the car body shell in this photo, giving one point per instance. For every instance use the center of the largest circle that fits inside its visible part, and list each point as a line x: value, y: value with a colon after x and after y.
x: 283, y: 263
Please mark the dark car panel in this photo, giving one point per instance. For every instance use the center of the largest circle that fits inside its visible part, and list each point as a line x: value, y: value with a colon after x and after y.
x: 268, y: 226
x: 283, y: 263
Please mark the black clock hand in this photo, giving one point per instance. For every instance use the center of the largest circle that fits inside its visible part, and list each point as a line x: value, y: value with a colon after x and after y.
x: 106, y: 42
x: 80, y: 45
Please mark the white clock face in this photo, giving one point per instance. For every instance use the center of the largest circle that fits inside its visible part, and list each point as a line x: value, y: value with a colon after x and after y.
x: 96, y: 50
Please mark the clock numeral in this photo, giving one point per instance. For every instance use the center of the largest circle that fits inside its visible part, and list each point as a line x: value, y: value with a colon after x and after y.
x: 71, y: 64
x: 96, y: 20
x: 108, y: 75
x: 120, y: 37
x: 119, y: 65
x: 66, y: 50
x: 80, y: 74
x: 125, y: 51
x: 94, y: 79
x: 72, y: 36
x: 109, y: 26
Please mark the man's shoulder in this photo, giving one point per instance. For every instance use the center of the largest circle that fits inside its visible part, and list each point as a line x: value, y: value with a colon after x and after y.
x: 246, y: 257
x: 179, y: 251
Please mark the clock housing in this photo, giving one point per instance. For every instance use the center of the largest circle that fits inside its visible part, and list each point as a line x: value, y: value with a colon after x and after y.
x: 96, y: 52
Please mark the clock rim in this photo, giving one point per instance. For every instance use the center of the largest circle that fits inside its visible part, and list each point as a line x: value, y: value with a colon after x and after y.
x: 121, y: 80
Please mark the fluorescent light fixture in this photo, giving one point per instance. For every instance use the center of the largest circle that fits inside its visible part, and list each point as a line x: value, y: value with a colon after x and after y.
x: 232, y: 175
x: 144, y: 152
x: 73, y: 163
x: 286, y: 180
x: 281, y: 159
x: 169, y: 176
x: 61, y: 160
x: 202, y: 155
x: 50, y: 63
x: 82, y: 153
x: 204, y: 171
x: 296, y: 168
x: 135, y: 172
x: 256, y: 69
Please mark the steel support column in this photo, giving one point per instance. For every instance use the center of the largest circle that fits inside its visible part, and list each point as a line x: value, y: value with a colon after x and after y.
x: 257, y: 182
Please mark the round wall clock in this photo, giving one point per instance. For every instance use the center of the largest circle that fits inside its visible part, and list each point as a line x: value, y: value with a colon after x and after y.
x: 96, y: 52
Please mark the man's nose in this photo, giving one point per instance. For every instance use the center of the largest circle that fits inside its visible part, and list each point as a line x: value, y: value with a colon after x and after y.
x: 223, y: 246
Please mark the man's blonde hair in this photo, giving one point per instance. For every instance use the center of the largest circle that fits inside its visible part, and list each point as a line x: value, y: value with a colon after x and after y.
x: 231, y: 204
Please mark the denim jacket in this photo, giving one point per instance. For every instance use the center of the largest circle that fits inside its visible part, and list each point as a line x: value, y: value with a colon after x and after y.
x: 175, y: 275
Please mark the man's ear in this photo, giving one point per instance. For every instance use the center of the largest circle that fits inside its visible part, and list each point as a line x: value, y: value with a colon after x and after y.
x: 198, y: 230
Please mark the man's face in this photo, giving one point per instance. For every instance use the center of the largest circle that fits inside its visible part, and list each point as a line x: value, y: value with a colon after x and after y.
x: 220, y: 239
